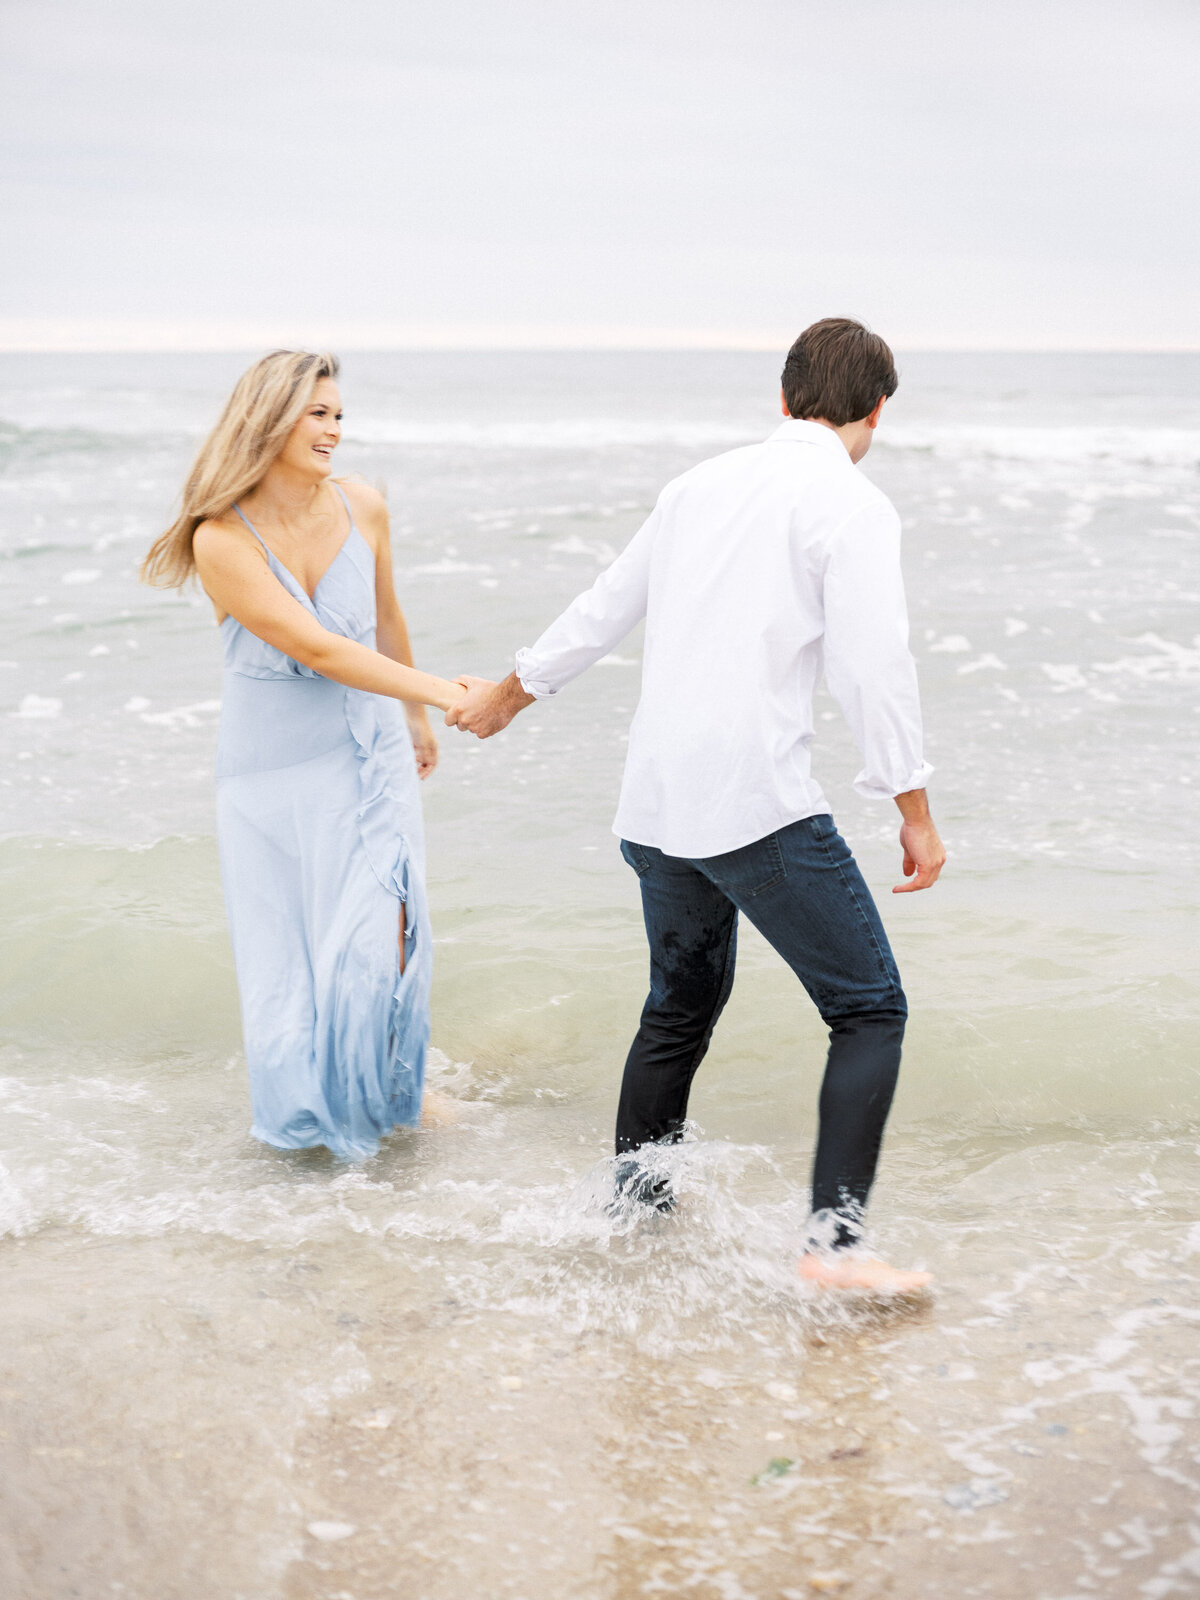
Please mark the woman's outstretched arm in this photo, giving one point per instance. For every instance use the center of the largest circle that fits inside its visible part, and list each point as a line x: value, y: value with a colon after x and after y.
x: 234, y: 571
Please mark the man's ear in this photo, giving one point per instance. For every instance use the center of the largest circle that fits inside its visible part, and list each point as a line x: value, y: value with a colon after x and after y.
x: 873, y: 420
x: 783, y: 404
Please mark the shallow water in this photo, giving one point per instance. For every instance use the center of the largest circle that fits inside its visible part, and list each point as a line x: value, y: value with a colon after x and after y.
x: 216, y: 1359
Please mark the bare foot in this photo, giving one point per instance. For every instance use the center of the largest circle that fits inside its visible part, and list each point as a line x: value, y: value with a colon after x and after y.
x: 438, y: 1110
x: 844, y: 1271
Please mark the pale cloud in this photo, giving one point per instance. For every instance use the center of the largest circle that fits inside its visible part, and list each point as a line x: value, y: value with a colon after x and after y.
x: 637, y: 173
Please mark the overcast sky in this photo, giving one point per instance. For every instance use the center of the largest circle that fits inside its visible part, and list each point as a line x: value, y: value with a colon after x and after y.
x: 966, y: 174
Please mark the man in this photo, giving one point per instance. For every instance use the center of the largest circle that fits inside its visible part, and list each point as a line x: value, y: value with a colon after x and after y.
x: 753, y: 571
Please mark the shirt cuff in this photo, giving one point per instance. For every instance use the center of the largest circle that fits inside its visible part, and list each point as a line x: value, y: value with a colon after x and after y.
x: 872, y: 789
x: 527, y: 675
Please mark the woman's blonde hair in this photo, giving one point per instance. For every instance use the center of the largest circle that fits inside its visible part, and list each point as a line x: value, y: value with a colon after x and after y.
x: 264, y: 407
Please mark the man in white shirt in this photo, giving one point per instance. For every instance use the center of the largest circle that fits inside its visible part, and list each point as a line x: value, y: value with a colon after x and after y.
x: 756, y: 570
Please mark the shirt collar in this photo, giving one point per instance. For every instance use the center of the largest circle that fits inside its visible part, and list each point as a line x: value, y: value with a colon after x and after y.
x: 797, y: 431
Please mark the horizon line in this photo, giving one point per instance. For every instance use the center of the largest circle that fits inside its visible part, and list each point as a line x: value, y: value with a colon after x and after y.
x: 354, y: 347
x: 121, y: 336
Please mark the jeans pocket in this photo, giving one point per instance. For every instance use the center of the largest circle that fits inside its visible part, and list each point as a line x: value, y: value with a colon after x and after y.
x: 636, y: 857
x: 747, y: 872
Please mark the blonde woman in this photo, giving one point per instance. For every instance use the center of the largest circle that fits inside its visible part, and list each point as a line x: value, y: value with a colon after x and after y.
x: 318, y: 811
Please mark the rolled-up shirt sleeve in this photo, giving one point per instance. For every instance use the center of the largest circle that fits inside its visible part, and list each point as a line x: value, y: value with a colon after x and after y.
x: 868, y: 666
x: 595, y: 621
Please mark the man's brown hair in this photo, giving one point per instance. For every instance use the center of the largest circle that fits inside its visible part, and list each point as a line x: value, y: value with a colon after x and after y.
x: 837, y: 370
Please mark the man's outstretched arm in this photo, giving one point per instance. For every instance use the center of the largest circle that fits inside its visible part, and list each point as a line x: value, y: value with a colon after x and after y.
x: 591, y: 625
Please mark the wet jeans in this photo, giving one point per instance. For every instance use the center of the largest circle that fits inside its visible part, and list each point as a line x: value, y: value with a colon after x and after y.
x: 801, y: 889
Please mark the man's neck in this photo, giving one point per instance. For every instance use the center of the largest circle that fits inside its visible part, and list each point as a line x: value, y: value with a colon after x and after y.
x: 856, y: 436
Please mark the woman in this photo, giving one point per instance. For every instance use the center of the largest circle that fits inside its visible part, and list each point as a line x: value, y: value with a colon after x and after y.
x: 318, y: 811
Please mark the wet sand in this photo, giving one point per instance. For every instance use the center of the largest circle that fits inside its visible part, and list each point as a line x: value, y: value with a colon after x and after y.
x: 575, y: 1411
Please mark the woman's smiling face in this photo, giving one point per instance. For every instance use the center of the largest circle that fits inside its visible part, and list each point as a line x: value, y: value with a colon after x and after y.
x: 311, y: 443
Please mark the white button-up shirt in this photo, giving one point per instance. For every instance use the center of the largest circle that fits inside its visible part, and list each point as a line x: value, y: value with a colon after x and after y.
x: 753, y: 571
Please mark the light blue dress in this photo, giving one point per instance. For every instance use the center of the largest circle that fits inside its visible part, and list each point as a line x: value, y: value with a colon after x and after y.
x: 321, y: 841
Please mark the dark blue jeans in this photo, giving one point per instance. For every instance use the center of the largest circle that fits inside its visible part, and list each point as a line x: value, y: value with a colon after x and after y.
x: 801, y: 889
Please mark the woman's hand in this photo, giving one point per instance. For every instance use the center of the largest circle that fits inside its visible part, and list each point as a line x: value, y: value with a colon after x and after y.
x: 425, y: 745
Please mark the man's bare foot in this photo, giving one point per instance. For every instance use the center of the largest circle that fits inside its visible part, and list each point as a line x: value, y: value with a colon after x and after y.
x: 840, y: 1270
x: 438, y: 1110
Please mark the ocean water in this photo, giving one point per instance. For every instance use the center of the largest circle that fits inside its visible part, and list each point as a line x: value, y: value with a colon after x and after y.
x: 235, y: 1374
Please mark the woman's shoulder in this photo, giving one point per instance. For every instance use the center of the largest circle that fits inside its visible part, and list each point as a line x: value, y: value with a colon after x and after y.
x: 367, y: 503
x: 220, y: 536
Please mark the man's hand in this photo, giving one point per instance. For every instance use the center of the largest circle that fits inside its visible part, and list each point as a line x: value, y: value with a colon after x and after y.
x: 471, y: 712
x: 924, y: 853
x: 487, y: 707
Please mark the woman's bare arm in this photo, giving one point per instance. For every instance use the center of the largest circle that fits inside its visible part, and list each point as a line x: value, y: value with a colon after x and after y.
x: 235, y: 575
x: 391, y: 630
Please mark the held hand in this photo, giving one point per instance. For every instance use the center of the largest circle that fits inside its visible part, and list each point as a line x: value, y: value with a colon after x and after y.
x: 424, y: 741
x: 481, y: 711
x: 924, y: 855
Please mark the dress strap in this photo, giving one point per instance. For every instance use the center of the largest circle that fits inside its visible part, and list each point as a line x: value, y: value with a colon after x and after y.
x: 345, y: 501
x: 251, y: 526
